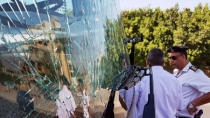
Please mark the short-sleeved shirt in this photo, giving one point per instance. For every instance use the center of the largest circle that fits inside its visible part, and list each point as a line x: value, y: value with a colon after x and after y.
x: 167, y: 93
x: 65, y: 103
x: 194, y: 84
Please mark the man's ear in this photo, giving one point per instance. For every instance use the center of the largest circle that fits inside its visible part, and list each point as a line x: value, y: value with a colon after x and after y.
x: 147, y: 63
x: 163, y: 63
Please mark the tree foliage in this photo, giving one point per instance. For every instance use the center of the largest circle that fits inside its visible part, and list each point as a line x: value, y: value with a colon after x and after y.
x: 112, y: 62
x: 165, y: 28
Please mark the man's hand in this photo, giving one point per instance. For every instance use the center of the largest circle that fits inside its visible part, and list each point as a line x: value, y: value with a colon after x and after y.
x: 191, y: 109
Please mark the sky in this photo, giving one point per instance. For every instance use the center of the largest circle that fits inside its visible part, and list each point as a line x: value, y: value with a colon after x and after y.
x: 163, y: 4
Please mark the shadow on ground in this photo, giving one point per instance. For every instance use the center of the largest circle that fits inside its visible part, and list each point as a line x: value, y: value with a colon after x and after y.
x: 11, y: 110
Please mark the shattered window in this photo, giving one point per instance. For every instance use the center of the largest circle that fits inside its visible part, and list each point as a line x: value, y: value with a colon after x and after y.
x: 59, y: 56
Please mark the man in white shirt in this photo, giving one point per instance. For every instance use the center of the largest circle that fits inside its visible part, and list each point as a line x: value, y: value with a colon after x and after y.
x: 167, y: 91
x: 195, y: 84
x: 65, y: 103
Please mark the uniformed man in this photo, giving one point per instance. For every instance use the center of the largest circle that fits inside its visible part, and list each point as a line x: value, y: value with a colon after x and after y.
x: 195, y: 84
x: 167, y: 91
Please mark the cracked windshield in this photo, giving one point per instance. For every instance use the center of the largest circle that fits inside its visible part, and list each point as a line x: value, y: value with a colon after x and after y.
x: 59, y: 54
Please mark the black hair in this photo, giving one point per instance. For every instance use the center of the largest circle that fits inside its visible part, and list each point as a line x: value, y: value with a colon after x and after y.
x: 155, y: 57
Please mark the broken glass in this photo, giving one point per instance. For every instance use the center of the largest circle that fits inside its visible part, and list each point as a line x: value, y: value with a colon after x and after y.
x: 46, y: 44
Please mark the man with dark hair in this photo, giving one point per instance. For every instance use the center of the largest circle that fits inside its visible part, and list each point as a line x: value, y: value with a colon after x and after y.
x: 195, y: 84
x: 167, y: 91
x: 155, y: 57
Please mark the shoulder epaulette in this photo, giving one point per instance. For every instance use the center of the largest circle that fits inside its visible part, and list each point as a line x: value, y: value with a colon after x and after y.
x: 193, y: 68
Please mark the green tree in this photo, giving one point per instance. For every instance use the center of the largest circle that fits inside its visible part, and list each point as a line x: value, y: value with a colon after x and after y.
x: 165, y: 28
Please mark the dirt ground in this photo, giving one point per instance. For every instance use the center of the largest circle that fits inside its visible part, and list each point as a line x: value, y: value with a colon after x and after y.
x: 206, y: 110
x: 9, y: 107
x: 46, y: 108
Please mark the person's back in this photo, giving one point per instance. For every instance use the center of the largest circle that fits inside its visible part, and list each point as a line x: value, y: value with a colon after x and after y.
x: 171, y: 100
x: 167, y: 91
x: 167, y: 94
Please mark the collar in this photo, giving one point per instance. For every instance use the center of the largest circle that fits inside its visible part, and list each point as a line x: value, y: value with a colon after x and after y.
x: 187, y: 67
x: 157, y: 67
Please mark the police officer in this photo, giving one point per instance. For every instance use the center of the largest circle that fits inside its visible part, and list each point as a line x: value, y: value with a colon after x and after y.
x: 195, y: 84
x: 167, y: 91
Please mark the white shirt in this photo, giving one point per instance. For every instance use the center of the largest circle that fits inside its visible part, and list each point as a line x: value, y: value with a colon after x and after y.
x: 167, y: 93
x: 194, y: 84
x: 65, y: 103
